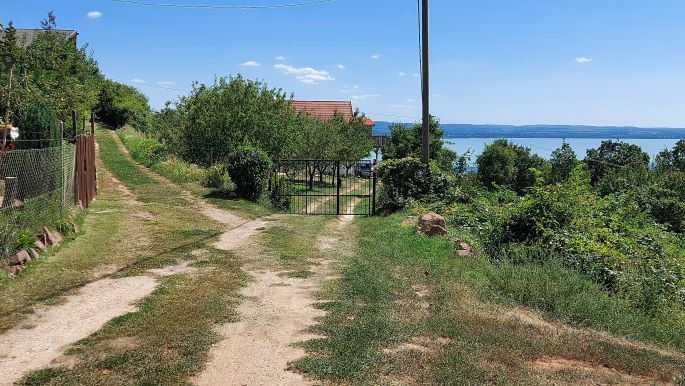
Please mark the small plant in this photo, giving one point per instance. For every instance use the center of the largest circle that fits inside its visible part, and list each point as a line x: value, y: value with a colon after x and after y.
x: 63, y: 226
x: 281, y: 193
x: 26, y: 239
x: 250, y: 169
x: 217, y: 177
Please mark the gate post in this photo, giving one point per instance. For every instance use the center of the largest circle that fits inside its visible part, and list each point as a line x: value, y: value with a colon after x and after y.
x: 373, y: 199
x: 337, y: 173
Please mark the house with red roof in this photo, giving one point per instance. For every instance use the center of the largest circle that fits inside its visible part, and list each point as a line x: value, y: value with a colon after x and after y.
x: 325, y: 110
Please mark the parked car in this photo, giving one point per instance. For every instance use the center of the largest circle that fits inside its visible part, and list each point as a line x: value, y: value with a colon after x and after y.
x: 364, y: 170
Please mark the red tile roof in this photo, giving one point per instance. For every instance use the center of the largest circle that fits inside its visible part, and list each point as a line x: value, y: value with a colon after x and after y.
x: 327, y: 109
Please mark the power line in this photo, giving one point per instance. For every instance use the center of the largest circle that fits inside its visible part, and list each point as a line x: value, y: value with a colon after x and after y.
x: 223, y: 6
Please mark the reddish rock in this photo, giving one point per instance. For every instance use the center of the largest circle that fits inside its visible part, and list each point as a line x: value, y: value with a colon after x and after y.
x: 432, y: 224
x: 57, y: 237
x: 19, y: 258
x: 48, y: 238
x: 464, y: 250
x: 40, y: 245
x: 34, y: 254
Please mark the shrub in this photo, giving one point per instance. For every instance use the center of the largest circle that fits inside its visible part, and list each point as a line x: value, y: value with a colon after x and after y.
x: 38, y: 127
x: 617, y: 166
x: 119, y: 105
x: 503, y: 163
x: 178, y: 170
x: 281, y: 194
x: 250, y: 169
x: 409, y: 179
x: 217, y: 177
x: 145, y: 150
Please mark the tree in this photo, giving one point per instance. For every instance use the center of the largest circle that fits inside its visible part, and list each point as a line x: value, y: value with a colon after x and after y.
x: 563, y: 161
x: 405, y: 141
x: 119, y: 105
x: 38, y: 127
x: 617, y: 166
x: 233, y: 112
x: 50, y: 23
x: 503, y: 163
x: 672, y: 159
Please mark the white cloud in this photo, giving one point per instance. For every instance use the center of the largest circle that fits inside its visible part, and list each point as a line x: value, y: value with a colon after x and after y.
x: 404, y: 107
x: 416, y: 75
x: 402, y: 74
x: 583, y: 60
x: 139, y: 81
x: 364, y: 97
x: 280, y: 58
x: 166, y: 83
x: 375, y: 56
x: 349, y: 90
x: 94, y: 14
x: 307, y: 75
x: 341, y: 66
x: 250, y: 63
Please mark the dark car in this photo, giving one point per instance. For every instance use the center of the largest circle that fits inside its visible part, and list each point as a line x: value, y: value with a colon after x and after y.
x: 364, y: 170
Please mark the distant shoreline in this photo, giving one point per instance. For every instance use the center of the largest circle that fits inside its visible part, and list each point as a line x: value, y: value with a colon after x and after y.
x: 551, y: 131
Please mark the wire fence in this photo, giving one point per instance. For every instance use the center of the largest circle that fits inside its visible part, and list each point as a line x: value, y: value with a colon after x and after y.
x: 36, y: 190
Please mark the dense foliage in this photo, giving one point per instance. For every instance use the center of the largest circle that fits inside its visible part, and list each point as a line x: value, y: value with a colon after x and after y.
x: 609, y: 217
x: 504, y: 164
x: 51, y: 69
x: 405, y: 141
x: 250, y: 169
x: 119, y: 105
x: 38, y: 127
x: 408, y: 179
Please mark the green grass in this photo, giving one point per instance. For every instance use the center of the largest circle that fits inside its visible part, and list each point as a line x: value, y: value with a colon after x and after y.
x: 187, y: 176
x: 168, y: 338
x: 379, y: 304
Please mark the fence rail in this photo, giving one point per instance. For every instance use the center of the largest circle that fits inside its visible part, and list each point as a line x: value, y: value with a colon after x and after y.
x: 40, y: 182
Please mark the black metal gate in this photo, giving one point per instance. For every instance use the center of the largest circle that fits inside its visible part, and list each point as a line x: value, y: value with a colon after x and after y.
x: 325, y: 187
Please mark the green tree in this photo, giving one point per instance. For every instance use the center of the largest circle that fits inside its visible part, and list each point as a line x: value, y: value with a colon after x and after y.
x: 672, y: 159
x: 119, y: 105
x: 38, y: 127
x: 231, y: 113
x: 405, y: 141
x: 505, y: 164
x: 562, y: 163
x: 617, y: 166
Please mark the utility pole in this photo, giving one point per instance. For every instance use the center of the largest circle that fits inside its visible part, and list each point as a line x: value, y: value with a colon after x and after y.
x: 425, y: 79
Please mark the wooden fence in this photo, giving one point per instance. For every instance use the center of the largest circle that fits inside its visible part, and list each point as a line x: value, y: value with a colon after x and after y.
x: 85, y: 185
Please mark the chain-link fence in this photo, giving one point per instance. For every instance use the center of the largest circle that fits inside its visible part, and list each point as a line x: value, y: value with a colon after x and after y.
x: 36, y: 190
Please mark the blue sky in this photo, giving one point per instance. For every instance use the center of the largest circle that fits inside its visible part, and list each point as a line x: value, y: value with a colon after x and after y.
x: 601, y: 62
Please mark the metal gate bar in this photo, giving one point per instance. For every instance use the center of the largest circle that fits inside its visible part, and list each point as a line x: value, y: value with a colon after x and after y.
x: 325, y: 187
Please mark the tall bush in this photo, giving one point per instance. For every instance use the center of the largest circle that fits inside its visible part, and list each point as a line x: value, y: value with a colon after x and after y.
x: 409, y: 179
x: 250, y: 169
x: 505, y: 164
x: 38, y: 127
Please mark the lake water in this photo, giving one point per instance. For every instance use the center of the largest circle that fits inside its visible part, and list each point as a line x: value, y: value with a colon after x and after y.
x: 545, y: 146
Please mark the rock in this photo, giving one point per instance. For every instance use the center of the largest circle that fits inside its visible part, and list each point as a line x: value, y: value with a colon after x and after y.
x: 48, y: 238
x: 34, y: 254
x: 57, y: 237
x: 40, y: 245
x: 19, y: 258
x: 432, y: 224
x: 463, y: 248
